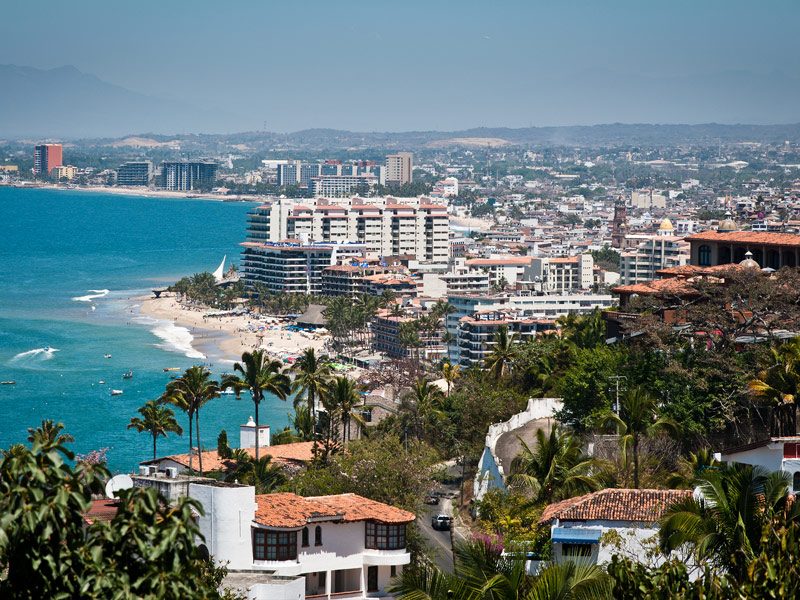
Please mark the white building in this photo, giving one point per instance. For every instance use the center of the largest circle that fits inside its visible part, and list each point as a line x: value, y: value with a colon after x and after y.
x: 773, y: 453
x: 386, y: 226
x: 337, y: 186
x: 597, y: 526
x: 399, y: 168
x: 342, y: 546
x: 648, y: 200
x: 561, y: 274
x: 653, y: 254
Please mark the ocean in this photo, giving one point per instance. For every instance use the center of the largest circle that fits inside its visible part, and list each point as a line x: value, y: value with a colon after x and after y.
x: 70, y: 264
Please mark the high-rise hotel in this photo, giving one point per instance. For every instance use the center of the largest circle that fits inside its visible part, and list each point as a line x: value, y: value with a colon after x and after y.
x: 386, y: 226
x: 45, y: 157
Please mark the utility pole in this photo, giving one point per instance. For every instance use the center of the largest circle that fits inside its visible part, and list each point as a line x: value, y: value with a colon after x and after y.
x: 616, y: 379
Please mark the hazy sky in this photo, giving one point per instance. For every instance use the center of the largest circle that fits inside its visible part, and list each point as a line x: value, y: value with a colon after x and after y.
x: 428, y: 64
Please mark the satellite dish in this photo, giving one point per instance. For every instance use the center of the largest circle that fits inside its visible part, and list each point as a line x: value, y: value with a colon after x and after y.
x: 117, y: 483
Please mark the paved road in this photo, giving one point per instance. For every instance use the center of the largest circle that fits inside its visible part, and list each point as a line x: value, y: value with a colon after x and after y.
x: 440, y: 541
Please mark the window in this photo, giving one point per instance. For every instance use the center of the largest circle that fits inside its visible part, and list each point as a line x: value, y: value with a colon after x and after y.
x: 318, y: 536
x: 796, y: 482
x: 576, y: 549
x: 274, y: 545
x: 790, y: 450
x: 304, y: 542
x: 383, y: 536
x: 704, y: 256
x: 392, y: 571
x: 372, y: 579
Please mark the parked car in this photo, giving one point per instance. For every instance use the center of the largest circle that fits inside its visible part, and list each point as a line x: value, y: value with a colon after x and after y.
x: 441, y: 521
x: 431, y: 499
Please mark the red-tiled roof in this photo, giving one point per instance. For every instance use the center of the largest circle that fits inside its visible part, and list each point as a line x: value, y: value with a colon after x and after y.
x: 511, y: 260
x: 288, y: 510
x: 673, y: 285
x: 747, y: 237
x: 646, y: 506
x: 292, y: 455
x: 101, y: 510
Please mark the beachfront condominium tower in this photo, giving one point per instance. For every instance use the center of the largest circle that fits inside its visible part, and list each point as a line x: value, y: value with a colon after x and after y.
x: 137, y: 173
x: 45, y: 157
x: 386, y: 226
x: 399, y: 168
x: 184, y: 176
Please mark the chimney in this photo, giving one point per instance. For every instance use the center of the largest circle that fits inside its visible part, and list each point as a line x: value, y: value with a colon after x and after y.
x: 247, y: 435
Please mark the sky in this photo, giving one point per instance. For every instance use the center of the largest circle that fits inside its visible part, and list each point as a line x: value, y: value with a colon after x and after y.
x: 429, y: 65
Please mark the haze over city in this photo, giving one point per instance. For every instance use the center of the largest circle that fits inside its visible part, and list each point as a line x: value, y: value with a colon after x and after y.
x: 224, y: 67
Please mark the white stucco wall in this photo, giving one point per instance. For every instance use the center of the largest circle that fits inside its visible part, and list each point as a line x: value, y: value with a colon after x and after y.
x: 769, y: 456
x: 229, y: 512
x: 632, y: 540
x: 490, y: 472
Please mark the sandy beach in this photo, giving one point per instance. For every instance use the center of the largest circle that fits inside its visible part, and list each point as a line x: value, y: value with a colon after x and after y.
x: 143, y: 191
x: 231, y: 335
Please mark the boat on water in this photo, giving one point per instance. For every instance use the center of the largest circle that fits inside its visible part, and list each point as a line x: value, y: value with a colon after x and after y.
x: 228, y: 392
x: 12, y: 382
x: 107, y: 356
x: 46, y: 348
x: 116, y: 392
x: 127, y: 374
x: 101, y: 382
x: 166, y: 369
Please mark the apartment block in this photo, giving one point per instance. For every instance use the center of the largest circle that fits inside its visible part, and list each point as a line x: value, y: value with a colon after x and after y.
x: 399, y: 168
x: 386, y: 226
x: 45, y: 157
x: 653, y: 254
x: 63, y: 172
x: 186, y: 175
x: 476, y: 334
x: 337, y: 186
x: 290, y: 267
x: 137, y: 173
x: 561, y: 275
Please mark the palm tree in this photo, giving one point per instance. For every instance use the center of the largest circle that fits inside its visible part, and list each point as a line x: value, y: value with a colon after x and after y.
x: 423, y: 405
x: 637, y: 420
x: 158, y: 420
x: 303, y: 424
x: 450, y: 373
x: 262, y: 473
x: 502, y: 352
x: 342, y: 393
x: 49, y: 434
x: 447, y: 339
x: 260, y: 375
x: 388, y: 297
x: 482, y: 572
x: 778, y: 383
x: 556, y: 468
x: 691, y: 468
x: 725, y: 523
x: 312, y: 375
x: 190, y: 392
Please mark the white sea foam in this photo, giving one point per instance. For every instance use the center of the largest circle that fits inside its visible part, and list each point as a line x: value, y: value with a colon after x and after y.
x: 176, y: 339
x: 36, y: 354
x: 92, y: 296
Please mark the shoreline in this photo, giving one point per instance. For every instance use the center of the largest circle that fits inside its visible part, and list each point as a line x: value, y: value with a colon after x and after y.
x: 143, y: 192
x: 227, y: 337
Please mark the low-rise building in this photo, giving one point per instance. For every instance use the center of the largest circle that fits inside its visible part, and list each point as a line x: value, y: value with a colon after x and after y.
x: 561, y: 275
x: 476, y: 335
x: 60, y: 172
x: 594, y: 527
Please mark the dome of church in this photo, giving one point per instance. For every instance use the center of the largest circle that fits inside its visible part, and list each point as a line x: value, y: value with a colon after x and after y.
x: 728, y: 224
x: 666, y: 225
x: 748, y: 261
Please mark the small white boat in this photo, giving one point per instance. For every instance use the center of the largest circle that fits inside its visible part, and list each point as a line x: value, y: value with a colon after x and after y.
x: 116, y: 392
x: 101, y: 382
x: 107, y: 356
x: 12, y: 382
x: 228, y: 392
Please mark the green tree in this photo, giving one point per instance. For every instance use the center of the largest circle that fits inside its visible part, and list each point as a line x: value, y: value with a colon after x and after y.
x: 190, y: 392
x: 483, y: 572
x: 450, y: 373
x: 147, y: 550
x: 502, y: 355
x: 263, y: 474
x: 636, y: 421
x: 312, y: 374
x: 341, y: 393
x: 260, y: 375
x: 556, y: 467
x: 156, y: 420
x: 724, y: 526
x: 51, y: 432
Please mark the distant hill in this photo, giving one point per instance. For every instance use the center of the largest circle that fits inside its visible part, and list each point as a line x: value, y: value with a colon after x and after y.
x: 65, y: 102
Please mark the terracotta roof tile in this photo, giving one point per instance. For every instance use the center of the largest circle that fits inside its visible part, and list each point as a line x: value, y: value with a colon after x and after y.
x: 101, y: 510
x: 646, y: 506
x: 291, y: 455
x: 747, y: 237
x: 289, y: 510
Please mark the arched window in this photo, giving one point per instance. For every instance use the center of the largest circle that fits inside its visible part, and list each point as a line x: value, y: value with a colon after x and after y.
x: 738, y: 255
x: 305, y: 537
x: 318, y: 536
x: 788, y: 259
x: 773, y: 259
x: 724, y: 255
x: 203, y: 551
x: 704, y: 256
x: 758, y: 257
x: 796, y: 482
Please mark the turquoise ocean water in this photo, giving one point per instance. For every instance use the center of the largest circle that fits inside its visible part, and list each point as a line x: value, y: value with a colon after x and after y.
x: 70, y: 262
